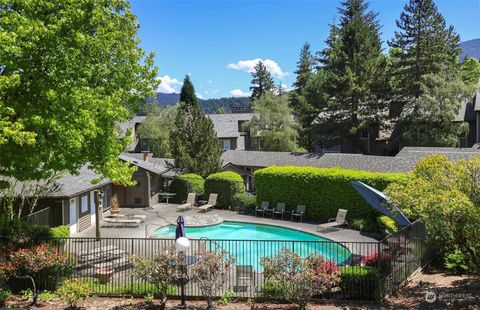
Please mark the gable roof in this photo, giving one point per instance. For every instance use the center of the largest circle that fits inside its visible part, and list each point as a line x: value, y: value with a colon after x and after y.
x: 154, y: 164
x: 226, y: 125
x: 265, y: 159
x: 452, y: 153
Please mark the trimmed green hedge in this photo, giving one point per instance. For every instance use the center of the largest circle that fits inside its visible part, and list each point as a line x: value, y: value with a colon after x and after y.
x: 60, y: 231
x: 226, y: 184
x: 322, y: 190
x: 359, y: 282
x: 187, y: 183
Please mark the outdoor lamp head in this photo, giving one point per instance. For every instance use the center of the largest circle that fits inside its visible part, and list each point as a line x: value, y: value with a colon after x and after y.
x: 182, y: 244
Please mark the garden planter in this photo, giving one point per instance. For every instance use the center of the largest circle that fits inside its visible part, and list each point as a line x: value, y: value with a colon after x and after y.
x: 104, y: 274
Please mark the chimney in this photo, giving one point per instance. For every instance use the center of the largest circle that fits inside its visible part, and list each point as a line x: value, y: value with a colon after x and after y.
x: 145, y: 156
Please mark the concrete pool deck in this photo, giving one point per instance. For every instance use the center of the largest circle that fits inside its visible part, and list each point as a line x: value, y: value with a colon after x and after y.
x: 160, y: 213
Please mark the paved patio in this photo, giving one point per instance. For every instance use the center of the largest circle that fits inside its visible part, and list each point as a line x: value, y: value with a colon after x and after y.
x: 158, y: 215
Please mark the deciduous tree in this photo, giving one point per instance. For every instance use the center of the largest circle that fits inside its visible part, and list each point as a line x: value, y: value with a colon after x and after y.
x: 273, y: 123
x: 156, y: 128
x: 70, y: 71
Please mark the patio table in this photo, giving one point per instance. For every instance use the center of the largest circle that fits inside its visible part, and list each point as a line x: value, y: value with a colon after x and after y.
x: 167, y: 196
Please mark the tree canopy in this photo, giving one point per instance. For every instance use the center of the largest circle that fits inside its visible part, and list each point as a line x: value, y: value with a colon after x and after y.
x: 273, y: 124
x: 70, y: 72
x: 156, y: 128
x: 262, y: 81
x: 354, y: 70
x: 193, y: 141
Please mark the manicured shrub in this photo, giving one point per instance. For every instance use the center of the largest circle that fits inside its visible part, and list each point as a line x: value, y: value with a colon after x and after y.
x: 322, y: 190
x: 72, y: 291
x: 381, y: 261
x: 20, y: 233
x: 226, y: 184
x: 187, y: 183
x: 359, y: 282
x: 60, y: 231
x: 244, y: 202
x: 386, y: 224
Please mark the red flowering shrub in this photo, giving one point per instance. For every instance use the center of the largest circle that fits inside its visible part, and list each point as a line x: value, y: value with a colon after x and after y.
x: 296, y: 279
x: 381, y: 261
x: 6, y: 269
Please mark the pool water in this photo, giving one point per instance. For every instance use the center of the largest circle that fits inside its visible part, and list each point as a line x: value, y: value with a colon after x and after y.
x: 263, y: 240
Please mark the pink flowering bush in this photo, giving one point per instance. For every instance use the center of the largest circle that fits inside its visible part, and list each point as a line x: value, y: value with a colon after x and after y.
x: 298, y: 280
x: 211, y: 272
x: 382, y: 261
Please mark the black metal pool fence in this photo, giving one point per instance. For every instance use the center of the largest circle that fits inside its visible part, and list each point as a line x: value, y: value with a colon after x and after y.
x: 406, y: 250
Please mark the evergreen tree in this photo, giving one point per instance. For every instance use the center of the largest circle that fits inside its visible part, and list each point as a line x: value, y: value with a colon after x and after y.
x: 424, y: 96
x: 304, y: 70
x: 470, y: 71
x: 262, y: 81
x: 303, y: 108
x: 353, y: 76
x: 193, y: 140
x: 427, y: 46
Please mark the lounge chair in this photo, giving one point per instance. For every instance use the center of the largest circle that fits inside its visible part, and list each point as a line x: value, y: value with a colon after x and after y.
x: 212, y: 202
x: 280, y: 209
x: 244, y: 278
x: 188, y: 204
x: 298, y: 212
x: 262, y: 208
x: 335, y: 222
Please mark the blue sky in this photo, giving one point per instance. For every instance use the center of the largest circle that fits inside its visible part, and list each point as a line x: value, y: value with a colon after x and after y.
x: 216, y: 42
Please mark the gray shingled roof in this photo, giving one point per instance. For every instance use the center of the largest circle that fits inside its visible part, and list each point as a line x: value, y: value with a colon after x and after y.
x: 155, y: 165
x: 328, y: 160
x: 226, y: 125
x: 73, y: 184
x: 454, y: 154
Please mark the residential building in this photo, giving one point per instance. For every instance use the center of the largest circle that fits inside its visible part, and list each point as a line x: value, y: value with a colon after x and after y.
x: 230, y: 132
x: 469, y: 112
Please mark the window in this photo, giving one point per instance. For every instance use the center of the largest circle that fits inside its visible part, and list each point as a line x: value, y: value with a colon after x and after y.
x: 84, y: 204
x: 364, y: 135
x: 225, y: 144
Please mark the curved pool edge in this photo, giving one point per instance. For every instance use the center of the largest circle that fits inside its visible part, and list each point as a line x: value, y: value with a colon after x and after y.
x: 338, y: 243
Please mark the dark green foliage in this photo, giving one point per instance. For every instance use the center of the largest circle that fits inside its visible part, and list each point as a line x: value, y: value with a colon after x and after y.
x: 272, y: 289
x: 322, y: 190
x: 193, y: 140
x: 364, y: 224
x: 212, y: 106
x: 4, y: 295
x: 427, y: 46
x: 244, y: 202
x: 355, y: 78
x: 359, y: 283
x: 187, y: 183
x: 21, y: 233
x: 303, y: 109
x: 227, y: 185
x: 470, y: 71
x: 386, y: 224
x: 262, y: 81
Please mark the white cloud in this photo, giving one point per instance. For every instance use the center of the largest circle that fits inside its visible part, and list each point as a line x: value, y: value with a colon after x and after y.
x: 210, y: 82
x: 168, y: 85
x: 248, y: 66
x: 215, y: 91
x: 238, y: 93
x: 199, y: 96
x: 206, y: 92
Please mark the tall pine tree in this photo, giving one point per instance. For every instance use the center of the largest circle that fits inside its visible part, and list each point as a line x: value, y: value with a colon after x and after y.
x: 426, y: 45
x: 301, y: 107
x: 262, y: 81
x: 354, y: 79
x: 193, y: 140
x: 426, y: 77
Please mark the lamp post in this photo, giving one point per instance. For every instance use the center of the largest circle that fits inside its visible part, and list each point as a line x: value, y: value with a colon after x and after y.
x: 182, y: 244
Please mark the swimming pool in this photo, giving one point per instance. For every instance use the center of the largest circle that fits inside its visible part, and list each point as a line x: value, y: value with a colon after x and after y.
x: 249, y: 242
